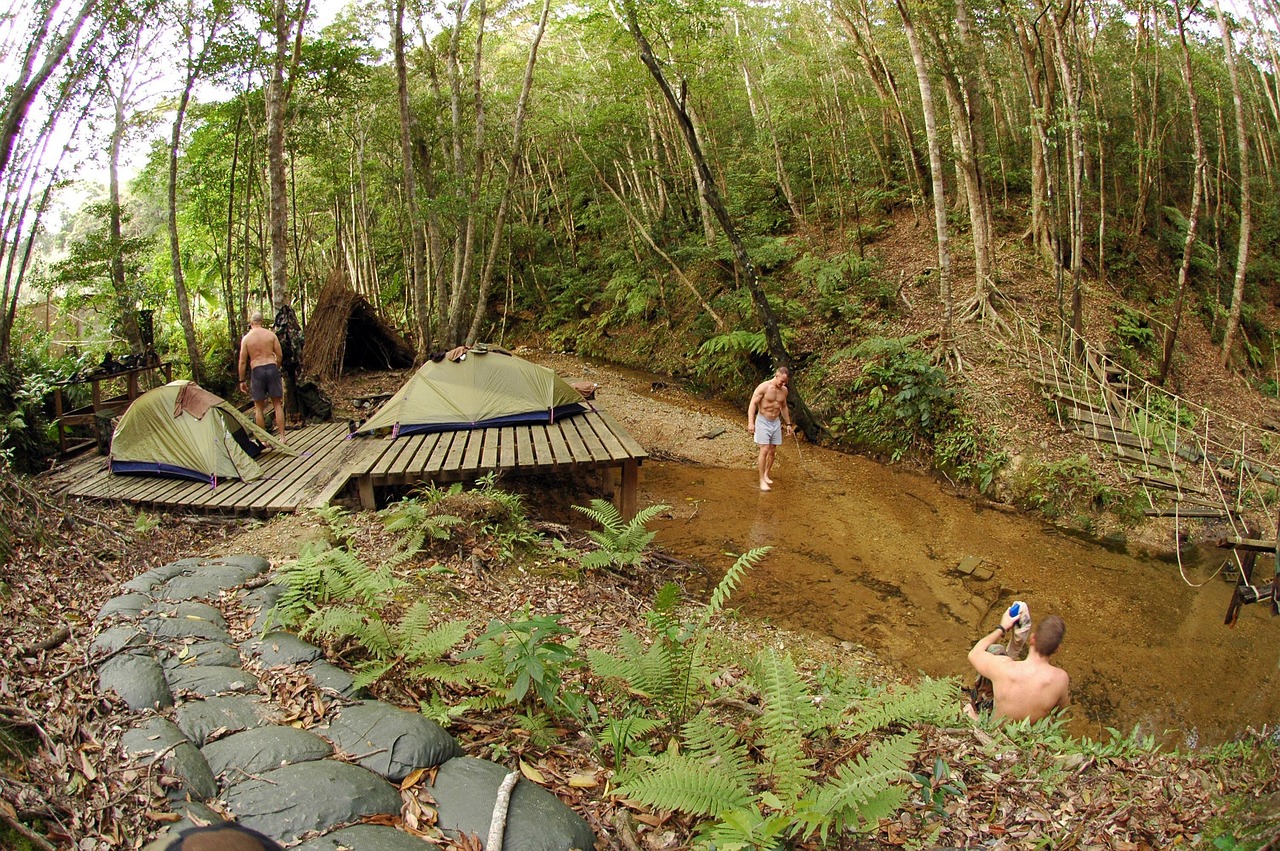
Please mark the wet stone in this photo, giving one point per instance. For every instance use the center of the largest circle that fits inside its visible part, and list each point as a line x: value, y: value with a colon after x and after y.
x: 193, y: 610
x: 466, y: 789
x: 160, y: 739
x: 282, y: 648
x: 204, y: 653
x: 201, y: 719
x: 390, y: 741
x: 145, y: 582
x: 211, y: 680
x: 333, y: 678
x: 114, y: 638
x: 185, y: 627
x: 137, y: 678
x: 206, y: 582
x: 261, y: 600
x: 263, y: 749
x: 363, y: 837
x: 125, y: 606
x: 288, y: 802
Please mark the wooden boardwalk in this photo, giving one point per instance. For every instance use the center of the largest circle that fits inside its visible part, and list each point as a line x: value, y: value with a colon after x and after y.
x: 592, y: 440
x: 328, y: 462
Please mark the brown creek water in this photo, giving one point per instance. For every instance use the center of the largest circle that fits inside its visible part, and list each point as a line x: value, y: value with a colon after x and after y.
x: 868, y: 553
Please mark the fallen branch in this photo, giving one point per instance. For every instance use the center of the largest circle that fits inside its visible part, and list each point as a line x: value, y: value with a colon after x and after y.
x: 498, y: 823
x: 55, y: 640
x: 27, y: 833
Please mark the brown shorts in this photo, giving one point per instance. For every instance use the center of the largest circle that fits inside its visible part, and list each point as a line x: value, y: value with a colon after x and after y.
x: 264, y: 381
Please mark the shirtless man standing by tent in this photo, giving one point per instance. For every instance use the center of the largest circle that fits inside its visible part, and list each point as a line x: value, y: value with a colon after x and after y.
x: 765, y: 419
x: 260, y: 352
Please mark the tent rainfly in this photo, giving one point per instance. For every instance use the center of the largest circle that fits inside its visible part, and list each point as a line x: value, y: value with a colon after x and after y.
x: 183, y: 431
x: 345, y: 332
x: 482, y: 389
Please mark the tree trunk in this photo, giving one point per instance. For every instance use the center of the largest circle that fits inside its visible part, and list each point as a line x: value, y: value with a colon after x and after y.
x: 417, y: 278
x: 1197, y: 190
x: 947, y: 347
x: 764, y: 311
x: 277, y: 104
x: 127, y: 306
x: 1246, y: 199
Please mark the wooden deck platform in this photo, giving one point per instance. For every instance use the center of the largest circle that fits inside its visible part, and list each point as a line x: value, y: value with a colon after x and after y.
x: 592, y: 440
x: 328, y: 462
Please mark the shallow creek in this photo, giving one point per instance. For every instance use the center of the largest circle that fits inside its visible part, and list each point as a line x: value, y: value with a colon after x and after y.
x: 868, y: 554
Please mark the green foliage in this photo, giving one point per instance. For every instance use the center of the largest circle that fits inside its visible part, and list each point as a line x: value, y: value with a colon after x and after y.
x: 939, y: 785
x: 1135, y: 336
x: 845, y: 284
x: 866, y: 789
x: 527, y: 657
x: 417, y: 520
x: 900, y: 401
x: 338, y: 521
x: 24, y: 430
x: 323, y: 576
x: 1060, y: 488
x: 931, y: 701
x: 970, y: 453
x: 621, y: 544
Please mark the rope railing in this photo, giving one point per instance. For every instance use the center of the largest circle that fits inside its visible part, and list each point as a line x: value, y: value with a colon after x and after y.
x: 1204, y: 458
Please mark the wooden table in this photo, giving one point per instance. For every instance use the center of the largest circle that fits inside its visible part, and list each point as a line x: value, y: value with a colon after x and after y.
x: 107, y: 395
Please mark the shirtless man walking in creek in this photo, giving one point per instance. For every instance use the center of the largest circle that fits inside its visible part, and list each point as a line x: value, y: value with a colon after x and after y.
x: 766, y: 417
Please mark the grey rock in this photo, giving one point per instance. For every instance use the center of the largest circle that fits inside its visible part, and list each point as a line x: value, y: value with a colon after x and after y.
x: 124, y: 606
x: 288, y: 802
x: 145, y: 582
x: 210, y: 680
x: 282, y: 648
x: 333, y: 678
x: 251, y: 565
x: 260, y: 600
x: 390, y: 741
x: 200, y: 720
x: 363, y: 837
x: 263, y: 749
x: 137, y: 678
x: 203, y: 653
x: 159, y: 739
x: 114, y: 638
x: 466, y: 789
x: 185, y: 627
x: 193, y: 610
x: 206, y: 582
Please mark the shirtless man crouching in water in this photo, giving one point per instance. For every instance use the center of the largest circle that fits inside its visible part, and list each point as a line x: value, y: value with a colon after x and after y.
x: 1029, y: 689
x: 766, y: 417
x: 260, y: 351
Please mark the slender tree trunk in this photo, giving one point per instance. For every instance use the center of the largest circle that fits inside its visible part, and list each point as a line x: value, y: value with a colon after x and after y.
x: 947, y: 348
x: 277, y: 104
x: 418, y: 284
x: 1246, y: 199
x: 517, y: 142
x: 175, y: 253
x: 1197, y: 191
x: 126, y: 305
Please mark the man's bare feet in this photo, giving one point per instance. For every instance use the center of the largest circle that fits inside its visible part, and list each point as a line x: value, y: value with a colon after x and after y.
x: 764, y: 486
x: 768, y: 481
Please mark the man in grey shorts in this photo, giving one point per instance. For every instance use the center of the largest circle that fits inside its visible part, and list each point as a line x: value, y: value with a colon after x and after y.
x: 766, y: 417
x: 260, y: 352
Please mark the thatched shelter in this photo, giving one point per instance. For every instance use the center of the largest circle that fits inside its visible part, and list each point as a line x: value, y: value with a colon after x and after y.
x: 345, y: 332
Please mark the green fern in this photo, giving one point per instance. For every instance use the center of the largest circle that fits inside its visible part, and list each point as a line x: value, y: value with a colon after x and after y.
x: 338, y: 519
x: 933, y: 701
x: 788, y: 716
x: 696, y: 786
x: 627, y: 737
x: 324, y: 575
x: 418, y: 521
x: 339, y: 623
x: 746, y: 828
x: 622, y: 544
x: 864, y: 790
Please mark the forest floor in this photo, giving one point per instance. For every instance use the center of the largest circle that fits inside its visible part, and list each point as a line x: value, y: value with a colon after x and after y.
x: 63, y: 769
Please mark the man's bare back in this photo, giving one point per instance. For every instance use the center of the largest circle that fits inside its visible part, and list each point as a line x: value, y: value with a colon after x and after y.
x: 1032, y: 688
x: 261, y: 347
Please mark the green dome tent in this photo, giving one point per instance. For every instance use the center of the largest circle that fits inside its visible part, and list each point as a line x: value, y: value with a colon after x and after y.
x: 181, y: 430
x: 483, y: 388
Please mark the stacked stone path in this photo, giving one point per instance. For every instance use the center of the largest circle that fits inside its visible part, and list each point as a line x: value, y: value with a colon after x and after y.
x: 229, y: 752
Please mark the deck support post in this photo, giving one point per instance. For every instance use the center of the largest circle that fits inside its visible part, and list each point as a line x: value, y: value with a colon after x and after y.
x: 627, y: 493
x: 367, y: 500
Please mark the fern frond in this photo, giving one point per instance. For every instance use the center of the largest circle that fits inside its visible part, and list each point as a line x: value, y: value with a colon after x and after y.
x: 664, y: 616
x: 338, y: 623
x: 602, y: 513
x: 647, y: 671
x: 788, y: 716
x: 368, y: 673
x: 706, y: 737
x: 934, y: 701
x: 865, y: 789
x: 419, y: 641
x: 538, y: 725
x: 689, y: 785
x: 732, y: 578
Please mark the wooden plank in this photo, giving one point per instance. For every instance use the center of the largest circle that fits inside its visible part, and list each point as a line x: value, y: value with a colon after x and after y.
x: 397, y: 447
x: 475, y: 447
x: 1255, y: 545
x: 524, y: 448
x: 279, y: 472
x: 1101, y: 419
x: 1190, y: 511
x: 1167, y: 484
x: 632, y: 446
x: 559, y: 446
x: 507, y: 448
x: 1076, y: 402
x: 611, y: 444
x: 450, y: 461
x: 1147, y: 459
x: 543, y: 456
x: 1105, y: 435
x: 594, y: 448
x: 319, y: 457
x: 492, y: 449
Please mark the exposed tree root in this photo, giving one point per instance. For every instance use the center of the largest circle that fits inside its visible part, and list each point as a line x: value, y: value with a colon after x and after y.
x: 980, y: 309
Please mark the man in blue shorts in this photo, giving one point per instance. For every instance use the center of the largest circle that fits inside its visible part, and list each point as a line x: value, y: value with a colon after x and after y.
x: 766, y: 418
x: 260, y: 359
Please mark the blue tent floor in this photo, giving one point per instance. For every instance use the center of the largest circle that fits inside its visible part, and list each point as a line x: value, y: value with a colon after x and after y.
x: 329, y: 465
